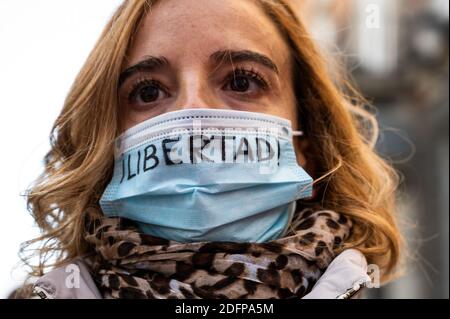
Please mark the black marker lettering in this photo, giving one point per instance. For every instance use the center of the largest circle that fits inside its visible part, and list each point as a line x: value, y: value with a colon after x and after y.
x: 223, y: 148
x: 123, y: 169
x: 279, y: 151
x: 151, y: 156
x: 130, y: 176
x: 139, y: 162
x: 259, y: 151
x: 243, y: 151
x: 167, y: 149
x: 234, y: 149
x: 205, y: 143
x: 191, y: 148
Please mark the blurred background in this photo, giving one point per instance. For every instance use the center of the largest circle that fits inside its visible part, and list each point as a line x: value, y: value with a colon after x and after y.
x: 395, y: 50
x: 397, y: 53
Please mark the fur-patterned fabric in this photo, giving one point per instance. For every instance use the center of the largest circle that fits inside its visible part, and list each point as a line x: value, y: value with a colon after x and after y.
x: 130, y: 264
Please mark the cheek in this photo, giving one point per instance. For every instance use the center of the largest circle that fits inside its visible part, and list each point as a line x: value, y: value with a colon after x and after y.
x: 288, y: 108
x: 127, y: 121
x: 301, y: 159
x: 301, y: 146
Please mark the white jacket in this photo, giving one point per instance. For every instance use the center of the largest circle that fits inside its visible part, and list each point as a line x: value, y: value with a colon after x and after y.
x: 344, y: 278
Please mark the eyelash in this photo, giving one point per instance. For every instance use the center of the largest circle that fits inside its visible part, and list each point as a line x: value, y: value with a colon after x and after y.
x: 139, y: 84
x: 250, y: 72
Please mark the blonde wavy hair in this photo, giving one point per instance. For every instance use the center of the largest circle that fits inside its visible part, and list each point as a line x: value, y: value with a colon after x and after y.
x: 351, y: 178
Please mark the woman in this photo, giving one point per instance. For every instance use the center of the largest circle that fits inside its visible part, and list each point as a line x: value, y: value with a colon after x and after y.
x: 182, y: 163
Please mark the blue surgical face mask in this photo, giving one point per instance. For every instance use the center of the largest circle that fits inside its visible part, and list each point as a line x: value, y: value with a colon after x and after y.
x: 208, y: 175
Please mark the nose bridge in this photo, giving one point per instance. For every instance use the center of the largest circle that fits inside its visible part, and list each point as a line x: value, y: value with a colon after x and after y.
x: 196, y: 91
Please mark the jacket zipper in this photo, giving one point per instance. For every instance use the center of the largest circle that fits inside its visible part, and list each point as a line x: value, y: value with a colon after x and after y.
x: 42, y: 293
x: 353, y: 290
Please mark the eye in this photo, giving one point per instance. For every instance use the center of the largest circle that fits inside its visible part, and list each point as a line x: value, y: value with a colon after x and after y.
x: 245, y: 81
x: 240, y: 84
x: 147, y: 91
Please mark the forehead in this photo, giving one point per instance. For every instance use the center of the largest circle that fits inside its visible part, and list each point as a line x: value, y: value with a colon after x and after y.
x: 190, y: 30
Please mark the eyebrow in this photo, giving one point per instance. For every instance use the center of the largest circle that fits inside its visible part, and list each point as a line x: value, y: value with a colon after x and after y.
x: 148, y: 64
x: 153, y: 63
x: 242, y: 56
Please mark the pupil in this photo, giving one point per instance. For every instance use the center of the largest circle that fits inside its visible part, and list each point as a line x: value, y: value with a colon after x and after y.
x: 240, y: 84
x: 149, y: 94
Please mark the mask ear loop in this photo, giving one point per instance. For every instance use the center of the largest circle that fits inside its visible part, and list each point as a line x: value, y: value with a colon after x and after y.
x: 330, y: 172
x: 298, y: 133
x: 295, y: 220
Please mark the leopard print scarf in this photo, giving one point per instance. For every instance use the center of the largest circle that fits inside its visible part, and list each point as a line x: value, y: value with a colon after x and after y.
x: 130, y: 264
